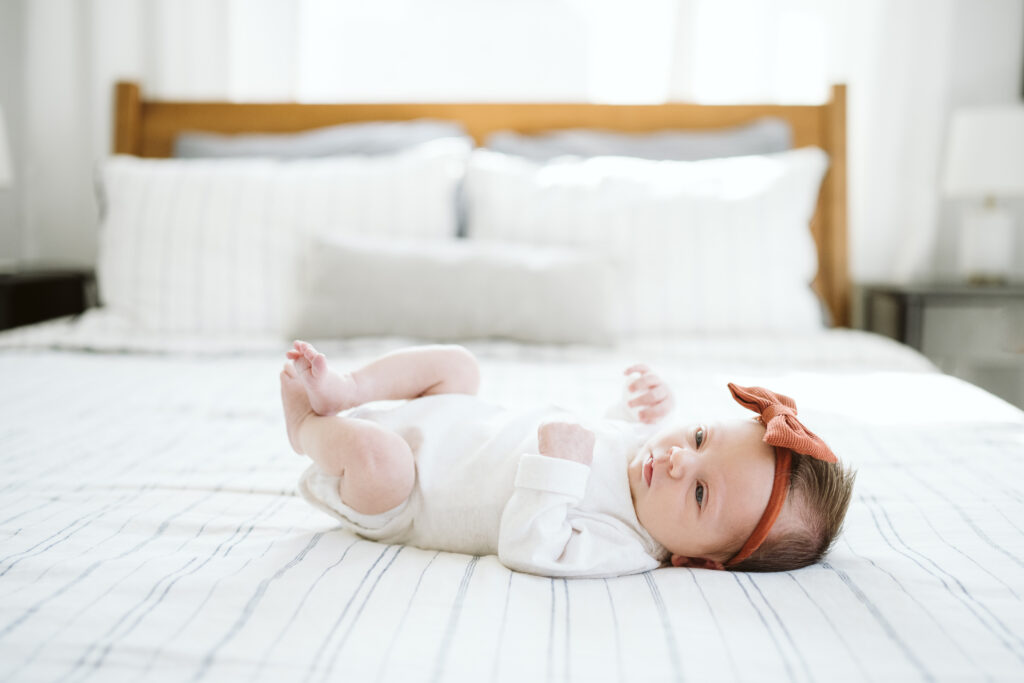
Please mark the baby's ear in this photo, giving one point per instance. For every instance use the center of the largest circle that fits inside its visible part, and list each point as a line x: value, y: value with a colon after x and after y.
x: 696, y: 562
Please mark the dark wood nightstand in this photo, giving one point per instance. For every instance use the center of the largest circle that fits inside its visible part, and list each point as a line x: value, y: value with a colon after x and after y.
x: 973, y: 332
x: 30, y: 294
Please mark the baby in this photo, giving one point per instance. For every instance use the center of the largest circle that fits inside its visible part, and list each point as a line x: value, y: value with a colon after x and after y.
x: 443, y: 470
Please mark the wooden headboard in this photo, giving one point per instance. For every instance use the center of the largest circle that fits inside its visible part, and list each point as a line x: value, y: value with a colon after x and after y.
x: 147, y: 128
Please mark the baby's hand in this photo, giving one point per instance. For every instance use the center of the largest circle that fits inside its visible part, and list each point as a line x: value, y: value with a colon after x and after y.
x: 566, y: 440
x: 649, y: 391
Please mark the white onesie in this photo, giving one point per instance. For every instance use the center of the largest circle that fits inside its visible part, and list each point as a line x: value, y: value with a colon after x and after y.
x: 483, y: 489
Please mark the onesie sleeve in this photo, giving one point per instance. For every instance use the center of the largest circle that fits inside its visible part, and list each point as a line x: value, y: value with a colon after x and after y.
x: 541, y: 532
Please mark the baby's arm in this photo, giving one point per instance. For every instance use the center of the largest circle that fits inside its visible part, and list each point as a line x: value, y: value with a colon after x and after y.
x: 539, y: 531
x: 567, y: 441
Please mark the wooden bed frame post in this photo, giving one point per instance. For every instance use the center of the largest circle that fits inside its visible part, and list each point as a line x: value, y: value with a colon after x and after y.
x: 128, y: 118
x: 837, y: 291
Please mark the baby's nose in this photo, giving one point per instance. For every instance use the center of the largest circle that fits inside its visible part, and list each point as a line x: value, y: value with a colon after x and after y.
x: 676, y: 462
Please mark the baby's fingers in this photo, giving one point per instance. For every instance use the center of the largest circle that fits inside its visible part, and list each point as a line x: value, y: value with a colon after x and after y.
x: 650, y: 398
x: 656, y: 411
x: 650, y: 415
x: 641, y: 368
x: 644, y: 383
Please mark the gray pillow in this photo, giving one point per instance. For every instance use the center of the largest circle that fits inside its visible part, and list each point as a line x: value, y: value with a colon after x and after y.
x: 453, y: 290
x: 367, y: 138
x: 764, y: 136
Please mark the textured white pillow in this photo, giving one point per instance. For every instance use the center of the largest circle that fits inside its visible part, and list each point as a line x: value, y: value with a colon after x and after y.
x: 455, y: 289
x: 213, y: 246
x: 714, y: 245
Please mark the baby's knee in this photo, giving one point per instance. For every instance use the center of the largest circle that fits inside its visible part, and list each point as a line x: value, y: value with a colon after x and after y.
x: 464, y: 373
x: 380, y: 475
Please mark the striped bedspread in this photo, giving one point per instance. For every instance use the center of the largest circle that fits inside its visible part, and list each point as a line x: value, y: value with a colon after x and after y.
x: 150, y: 530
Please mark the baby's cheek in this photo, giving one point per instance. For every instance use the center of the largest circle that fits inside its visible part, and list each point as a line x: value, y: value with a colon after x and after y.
x: 655, y: 443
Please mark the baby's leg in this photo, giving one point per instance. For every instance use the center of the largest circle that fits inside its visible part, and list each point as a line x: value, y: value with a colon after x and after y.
x: 375, y: 465
x: 406, y: 373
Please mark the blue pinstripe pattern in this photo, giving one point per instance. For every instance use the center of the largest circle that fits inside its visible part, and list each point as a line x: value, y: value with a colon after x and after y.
x: 790, y: 673
x: 892, y: 632
x: 355, y: 619
x: 453, y: 620
x: 666, y: 625
x: 314, y: 665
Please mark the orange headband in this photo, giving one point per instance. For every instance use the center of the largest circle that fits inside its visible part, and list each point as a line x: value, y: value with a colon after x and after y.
x: 786, y: 434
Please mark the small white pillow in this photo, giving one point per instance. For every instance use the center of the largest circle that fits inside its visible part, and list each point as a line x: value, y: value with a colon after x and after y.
x: 451, y: 290
x: 213, y: 246
x: 715, y: 245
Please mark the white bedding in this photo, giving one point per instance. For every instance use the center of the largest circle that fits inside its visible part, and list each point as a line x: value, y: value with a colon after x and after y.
x: 150, y: 529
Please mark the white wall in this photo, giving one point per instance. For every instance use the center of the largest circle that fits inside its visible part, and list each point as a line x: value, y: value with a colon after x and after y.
x: 11, y: 98
x: 57, y: 185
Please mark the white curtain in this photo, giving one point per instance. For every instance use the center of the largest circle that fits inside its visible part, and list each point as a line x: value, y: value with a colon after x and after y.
x: 893, y: 55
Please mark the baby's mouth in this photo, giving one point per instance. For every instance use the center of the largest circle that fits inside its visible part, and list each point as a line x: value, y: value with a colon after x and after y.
x: 649, y: 469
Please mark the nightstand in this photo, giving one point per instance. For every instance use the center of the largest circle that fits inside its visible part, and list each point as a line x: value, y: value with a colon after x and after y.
x: 30, y: 294
x: 973, y: 332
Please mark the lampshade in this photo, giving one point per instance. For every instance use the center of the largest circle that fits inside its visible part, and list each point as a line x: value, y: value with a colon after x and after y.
x: 6, y: 172
x: 985, y: 152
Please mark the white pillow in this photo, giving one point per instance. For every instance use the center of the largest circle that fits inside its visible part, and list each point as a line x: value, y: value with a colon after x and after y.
x: 764, y: 136
x: 714, y: 245
x: 213, y: 246
x: 363, y: 137
x: 450, y: 290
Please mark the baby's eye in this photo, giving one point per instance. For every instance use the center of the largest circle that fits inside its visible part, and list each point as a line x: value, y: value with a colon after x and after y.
x: 700, y: 494
x: 698, y: 436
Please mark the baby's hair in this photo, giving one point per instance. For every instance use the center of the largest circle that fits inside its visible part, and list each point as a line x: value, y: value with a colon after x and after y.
x: 820, y: 493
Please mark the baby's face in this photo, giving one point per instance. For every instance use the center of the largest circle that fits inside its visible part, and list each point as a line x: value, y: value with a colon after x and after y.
x: 700, y: 489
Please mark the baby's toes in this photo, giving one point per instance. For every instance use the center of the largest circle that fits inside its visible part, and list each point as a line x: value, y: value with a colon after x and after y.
x: 309, y: 352
x: 317, y: 361
x: 302, y: 365
x: 319, y: 365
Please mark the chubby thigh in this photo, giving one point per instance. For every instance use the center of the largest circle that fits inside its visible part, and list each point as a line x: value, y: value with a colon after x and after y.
x: 373, y: 465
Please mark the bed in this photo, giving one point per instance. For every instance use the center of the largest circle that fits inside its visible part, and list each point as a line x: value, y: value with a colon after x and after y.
x: 150, y: 523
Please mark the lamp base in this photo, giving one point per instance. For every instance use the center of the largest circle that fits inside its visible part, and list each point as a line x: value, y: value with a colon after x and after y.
x: 986, y: 245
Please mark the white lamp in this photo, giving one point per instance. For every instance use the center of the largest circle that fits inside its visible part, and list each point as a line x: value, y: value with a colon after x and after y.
x: 6, y: 179
x: 6, y: 172
x: 985, y: 161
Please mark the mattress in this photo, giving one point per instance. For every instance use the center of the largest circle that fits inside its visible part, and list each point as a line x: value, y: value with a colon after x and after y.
x: 151, y: 529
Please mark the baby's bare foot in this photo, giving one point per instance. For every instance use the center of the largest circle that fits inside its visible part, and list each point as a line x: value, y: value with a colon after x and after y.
x: 296, y: 405
x: 329, y: 392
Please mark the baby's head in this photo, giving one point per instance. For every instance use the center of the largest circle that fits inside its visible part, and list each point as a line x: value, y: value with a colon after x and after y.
x: 737, y: 495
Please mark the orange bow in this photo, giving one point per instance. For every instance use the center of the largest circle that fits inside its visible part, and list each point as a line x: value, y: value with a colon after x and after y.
x: 786, y: 433
x: 782, y: 429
